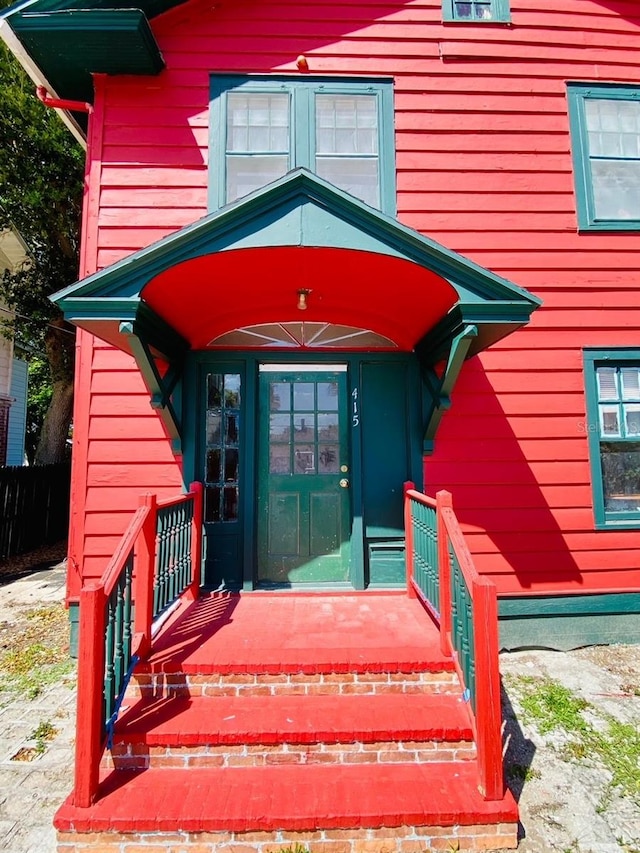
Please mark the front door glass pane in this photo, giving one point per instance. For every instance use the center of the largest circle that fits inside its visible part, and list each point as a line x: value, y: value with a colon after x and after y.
x: 222, y: 466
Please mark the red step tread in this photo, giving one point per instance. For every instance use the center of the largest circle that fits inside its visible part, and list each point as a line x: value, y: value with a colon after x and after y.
x: 277, y: 633
x: 183, y: 721
x: 290, y: 797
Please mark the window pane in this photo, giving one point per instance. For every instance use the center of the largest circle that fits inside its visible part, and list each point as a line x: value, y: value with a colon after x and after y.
x: 230, y: 503
x: 212, y: 504
x: 304, y: 427
x: 607, y: 388
x: 621, y: 476
x: 232, y: 391
x: 303, y: 400
x: 630, y: 377
x: 214, y: 420
x: 616, y: 188
x: 279, y: 459
x: 279, y: 428
x: 328, y: 396
x: 214, y: 390
x: 328, y: 427
x: 258, y: 122
x: 280, y: 396
x: 248, y: 173
x: 232, y: 429
x: 632, y: 419
x: 356, y: 176
x: 346, y: 124
x: 609, y: 420
x: 304, y: 459
x: 213, y: 466
x: 613, y: 127
x: 231, y: 466
x: 328, y: 459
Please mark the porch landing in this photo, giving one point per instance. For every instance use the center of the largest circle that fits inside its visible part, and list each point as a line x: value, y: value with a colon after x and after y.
x: 289, y: 632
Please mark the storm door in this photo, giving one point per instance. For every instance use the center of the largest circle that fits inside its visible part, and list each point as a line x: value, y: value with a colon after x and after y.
x: 303, y: 481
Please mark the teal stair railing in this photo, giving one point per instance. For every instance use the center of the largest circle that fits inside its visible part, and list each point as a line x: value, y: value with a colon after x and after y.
x: 157, y: 561
x: 441, y: 573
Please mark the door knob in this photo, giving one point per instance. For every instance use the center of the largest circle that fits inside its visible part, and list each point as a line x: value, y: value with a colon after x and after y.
x: 344, y: 483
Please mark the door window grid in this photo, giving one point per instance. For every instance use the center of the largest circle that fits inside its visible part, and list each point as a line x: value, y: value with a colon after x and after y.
x: 222, y: 463
x: 303, y: 428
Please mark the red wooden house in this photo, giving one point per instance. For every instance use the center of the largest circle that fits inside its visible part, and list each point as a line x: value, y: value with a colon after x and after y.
x: 332, y: 248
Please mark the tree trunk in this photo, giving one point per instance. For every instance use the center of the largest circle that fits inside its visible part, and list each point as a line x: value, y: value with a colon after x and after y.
x: 60, y: 349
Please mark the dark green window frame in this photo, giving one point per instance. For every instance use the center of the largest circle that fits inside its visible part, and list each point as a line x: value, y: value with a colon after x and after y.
x: 302, y: 148
x: 589, y: 219
x: 471, y: 12
x: 614, y: 359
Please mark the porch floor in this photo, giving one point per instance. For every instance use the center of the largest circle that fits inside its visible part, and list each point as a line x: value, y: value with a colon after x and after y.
x: 266, y: 632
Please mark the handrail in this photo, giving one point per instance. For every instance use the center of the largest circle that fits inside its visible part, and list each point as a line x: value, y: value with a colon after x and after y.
x: 111, y: 639
x: 464, y: 604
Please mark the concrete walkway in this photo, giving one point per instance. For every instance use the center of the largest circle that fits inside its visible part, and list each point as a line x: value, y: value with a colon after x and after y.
x: 31, y: 791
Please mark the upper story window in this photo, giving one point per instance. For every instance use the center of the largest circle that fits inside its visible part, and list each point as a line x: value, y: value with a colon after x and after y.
x: 605, y: 138
x: 613, y: 427
x: 262, y: 127
x: 477, y: 11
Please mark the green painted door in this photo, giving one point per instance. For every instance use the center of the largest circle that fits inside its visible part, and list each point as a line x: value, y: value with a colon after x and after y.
x: 303, y: 480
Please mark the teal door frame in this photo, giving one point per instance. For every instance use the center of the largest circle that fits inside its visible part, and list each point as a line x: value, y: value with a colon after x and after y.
x: 370, y: 427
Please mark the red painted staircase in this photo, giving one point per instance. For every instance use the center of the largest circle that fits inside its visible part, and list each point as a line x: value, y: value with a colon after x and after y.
x: 266, y: 720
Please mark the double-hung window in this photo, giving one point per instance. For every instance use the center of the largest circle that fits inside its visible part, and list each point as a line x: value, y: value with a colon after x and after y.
x: 476, y: 11
x: 264, y: 126
x: 605, y: 138
x: 613, y: 427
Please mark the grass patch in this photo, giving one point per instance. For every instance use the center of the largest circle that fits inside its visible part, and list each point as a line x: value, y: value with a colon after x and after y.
x: 42, y: 734
x: 616, y: 746
x: 37, y: 651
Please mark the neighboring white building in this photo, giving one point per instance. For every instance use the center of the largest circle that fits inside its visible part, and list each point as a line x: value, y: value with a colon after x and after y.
x: 13, y: 373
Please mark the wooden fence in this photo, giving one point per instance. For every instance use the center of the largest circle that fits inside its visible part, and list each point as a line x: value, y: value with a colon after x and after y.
x: 34, y: 507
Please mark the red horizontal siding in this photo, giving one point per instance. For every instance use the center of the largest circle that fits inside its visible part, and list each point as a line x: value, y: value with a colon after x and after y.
x: 483, y: 166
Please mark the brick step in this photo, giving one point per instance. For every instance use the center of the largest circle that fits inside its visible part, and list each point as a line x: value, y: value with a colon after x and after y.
x: 213, y: 683
x: 331, y: 806
x: 255, y: 730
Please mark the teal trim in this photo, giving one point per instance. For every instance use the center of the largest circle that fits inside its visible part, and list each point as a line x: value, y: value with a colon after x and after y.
x: 441, y: 389
x: 593, y: 358
x: 302, y: 144
x: 69, y: 45
x: 160, y: 387
x: 74, y: 628
x: 568, y: 621
x: 578, y: 94
x: 500, y: 12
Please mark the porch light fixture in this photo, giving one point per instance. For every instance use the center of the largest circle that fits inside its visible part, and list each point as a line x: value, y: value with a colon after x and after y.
x: 302, y: 299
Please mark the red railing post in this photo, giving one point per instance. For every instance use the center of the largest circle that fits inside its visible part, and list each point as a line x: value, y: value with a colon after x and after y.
x: 488, y: 707
x: 145, y: 571
x: 90, y: 703
x: 193, y: 590
x: 444, y: 501
x: 408, y: 539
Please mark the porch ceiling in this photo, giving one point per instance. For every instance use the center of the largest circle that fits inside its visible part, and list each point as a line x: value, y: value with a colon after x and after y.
x: 246, y: 263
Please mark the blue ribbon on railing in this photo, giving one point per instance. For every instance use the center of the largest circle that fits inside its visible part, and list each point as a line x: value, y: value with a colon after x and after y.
x: 111, y: 722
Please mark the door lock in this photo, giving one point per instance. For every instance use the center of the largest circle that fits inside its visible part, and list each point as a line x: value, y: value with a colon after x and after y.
x: 344, y: 483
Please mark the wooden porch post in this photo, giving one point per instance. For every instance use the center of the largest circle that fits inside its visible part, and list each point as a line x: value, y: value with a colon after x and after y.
x: 193, y: 590
x: 444, y: 500
x: 145, y: 571
x: 408, y: 539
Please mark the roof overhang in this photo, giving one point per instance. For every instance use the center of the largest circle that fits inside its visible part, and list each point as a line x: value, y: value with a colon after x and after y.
x: 246, y: 263
x: 61, y: 43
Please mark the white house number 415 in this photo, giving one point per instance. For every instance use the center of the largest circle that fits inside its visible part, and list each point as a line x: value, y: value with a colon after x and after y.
x: 355, y: 419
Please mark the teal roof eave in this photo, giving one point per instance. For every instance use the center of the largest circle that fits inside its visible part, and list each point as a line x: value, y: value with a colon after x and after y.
x: 69, y: 45
x: 300, y: 209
